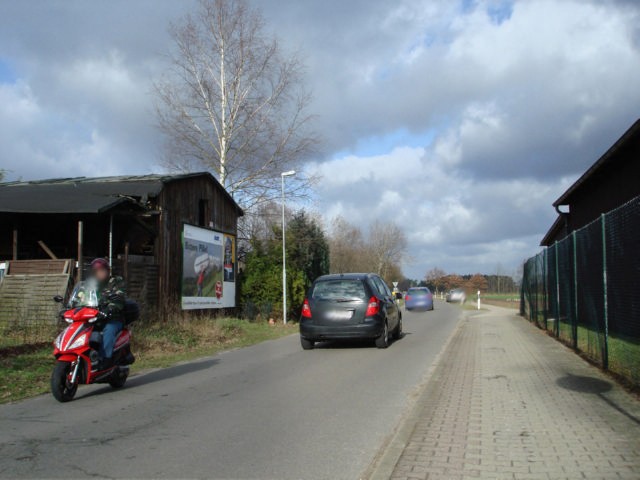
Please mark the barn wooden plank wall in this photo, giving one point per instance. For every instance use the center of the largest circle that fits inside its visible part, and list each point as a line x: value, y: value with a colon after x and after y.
x: 28, y: 313
x: 142, y: 284
x: 39, y: 267
x: 179, y: 203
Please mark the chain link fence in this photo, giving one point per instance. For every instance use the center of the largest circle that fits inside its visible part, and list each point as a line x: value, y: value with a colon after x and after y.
x: 583, y: 291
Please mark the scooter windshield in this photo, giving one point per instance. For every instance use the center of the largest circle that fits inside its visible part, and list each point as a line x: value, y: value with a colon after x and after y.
x: 85, y: 294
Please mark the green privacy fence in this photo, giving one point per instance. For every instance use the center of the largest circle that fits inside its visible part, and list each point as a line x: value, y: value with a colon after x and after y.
x: 585, y: 291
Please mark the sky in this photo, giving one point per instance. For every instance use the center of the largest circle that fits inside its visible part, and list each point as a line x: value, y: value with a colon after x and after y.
x: 462, y: 121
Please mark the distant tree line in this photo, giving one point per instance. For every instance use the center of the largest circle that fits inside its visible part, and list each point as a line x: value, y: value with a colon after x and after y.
x: 438, y: 280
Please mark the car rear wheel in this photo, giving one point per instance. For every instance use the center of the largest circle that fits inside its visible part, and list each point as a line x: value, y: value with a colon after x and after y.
x: 398, y: 331
x: 306, y: 344
x: 383, y: 340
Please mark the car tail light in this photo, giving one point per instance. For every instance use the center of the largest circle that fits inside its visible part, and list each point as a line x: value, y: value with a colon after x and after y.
x: 373, y: 308
x: 306, y: 309
x: 407, y: 298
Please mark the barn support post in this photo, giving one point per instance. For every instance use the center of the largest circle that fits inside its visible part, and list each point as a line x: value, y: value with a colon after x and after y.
x: 111, y: 240
x: 15, y: 244
x: 80, y: 235
x: 125, y: 267
x: 47, y: 250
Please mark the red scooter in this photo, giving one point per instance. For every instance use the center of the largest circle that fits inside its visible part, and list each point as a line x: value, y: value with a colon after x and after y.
x: 77, y: 346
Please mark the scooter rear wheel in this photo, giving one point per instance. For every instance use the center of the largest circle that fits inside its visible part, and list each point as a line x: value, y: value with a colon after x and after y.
x: 119, y: 377
x: 60, y: 387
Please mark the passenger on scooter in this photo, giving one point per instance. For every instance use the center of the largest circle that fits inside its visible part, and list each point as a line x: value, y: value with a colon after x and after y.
x: 112, y: 296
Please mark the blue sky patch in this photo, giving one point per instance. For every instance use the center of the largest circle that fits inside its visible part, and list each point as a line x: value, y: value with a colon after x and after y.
x: 7, y: 74
x: 500, y: 12
x: 380, y: 145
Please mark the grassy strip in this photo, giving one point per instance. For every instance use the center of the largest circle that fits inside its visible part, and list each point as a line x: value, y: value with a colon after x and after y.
x: 155, y: 345
x: 623, y: 351
x: 505, y: 300
x: 501, y: 303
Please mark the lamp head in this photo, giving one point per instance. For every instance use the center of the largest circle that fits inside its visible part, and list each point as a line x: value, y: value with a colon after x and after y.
x: 288, y: 174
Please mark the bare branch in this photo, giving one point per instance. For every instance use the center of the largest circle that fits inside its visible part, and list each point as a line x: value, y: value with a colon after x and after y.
x: 233, y: 104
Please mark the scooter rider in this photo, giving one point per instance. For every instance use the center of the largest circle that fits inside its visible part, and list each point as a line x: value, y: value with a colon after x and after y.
x: 112, y: 297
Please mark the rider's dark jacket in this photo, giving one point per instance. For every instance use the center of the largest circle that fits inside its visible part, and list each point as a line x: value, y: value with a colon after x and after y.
x: 112, y: 296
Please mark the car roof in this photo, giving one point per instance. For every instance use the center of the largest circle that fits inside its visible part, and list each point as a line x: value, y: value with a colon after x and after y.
x: 344, y: 276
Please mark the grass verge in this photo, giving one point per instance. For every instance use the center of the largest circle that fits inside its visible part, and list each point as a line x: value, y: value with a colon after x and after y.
x: 506, y: 300
x: 26, y: 372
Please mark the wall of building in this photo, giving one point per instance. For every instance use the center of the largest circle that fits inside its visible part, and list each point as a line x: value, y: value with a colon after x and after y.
x: 196, y: 201
x: 614, y: 184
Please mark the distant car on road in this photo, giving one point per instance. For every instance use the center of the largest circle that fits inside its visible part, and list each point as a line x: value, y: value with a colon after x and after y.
x: 349, y: 306
x: 456, y: 295
x: 418, y: 298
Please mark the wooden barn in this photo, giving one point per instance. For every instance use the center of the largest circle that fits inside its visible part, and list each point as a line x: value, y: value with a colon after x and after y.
x: 137, y: 222
x: 610, y: 182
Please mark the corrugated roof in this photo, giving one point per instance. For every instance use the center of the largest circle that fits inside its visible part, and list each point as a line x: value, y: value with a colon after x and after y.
x: 602, y: 162
x: 85, y: 194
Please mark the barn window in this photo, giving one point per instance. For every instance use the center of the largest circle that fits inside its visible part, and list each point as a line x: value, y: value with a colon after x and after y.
x: 203, y: 212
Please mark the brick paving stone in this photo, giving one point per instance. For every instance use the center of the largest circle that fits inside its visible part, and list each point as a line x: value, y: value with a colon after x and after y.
x: 508, y: 402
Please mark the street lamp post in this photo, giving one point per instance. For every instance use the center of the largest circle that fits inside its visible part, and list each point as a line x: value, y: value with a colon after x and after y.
x: 284, y: 251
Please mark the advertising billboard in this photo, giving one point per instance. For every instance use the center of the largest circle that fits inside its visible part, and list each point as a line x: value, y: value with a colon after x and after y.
x: 208, y: 269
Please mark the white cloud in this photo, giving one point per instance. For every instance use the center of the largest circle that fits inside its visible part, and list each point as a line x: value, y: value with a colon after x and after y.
x: 450, y: 219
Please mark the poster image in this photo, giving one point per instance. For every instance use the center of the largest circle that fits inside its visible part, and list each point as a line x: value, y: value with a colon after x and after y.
x: 207, y: 269
x: 229, y: 258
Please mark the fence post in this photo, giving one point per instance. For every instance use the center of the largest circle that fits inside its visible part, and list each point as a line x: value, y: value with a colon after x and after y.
x: 557, y: 325
x: 574, y: 320
x: 605, y: 349
x: 546, y: 288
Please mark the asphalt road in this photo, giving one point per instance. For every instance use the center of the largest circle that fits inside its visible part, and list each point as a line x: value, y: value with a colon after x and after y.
x: 267, y: 411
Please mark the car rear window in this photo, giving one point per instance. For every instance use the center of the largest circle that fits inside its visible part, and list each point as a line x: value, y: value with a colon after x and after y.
x: 339, y: 290
x: 418, y: 292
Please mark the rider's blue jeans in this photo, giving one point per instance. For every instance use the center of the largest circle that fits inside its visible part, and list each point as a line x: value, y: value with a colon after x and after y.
x: 109, y: 335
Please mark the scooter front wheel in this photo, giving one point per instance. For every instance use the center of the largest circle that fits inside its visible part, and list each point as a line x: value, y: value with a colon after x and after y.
x: 61, y: 389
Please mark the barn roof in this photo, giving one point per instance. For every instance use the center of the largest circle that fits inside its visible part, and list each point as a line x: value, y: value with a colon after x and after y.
x: 87, y: 194
x: 605, y: 161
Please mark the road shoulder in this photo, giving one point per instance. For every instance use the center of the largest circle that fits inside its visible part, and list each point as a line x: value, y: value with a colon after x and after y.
x: 387, y: 457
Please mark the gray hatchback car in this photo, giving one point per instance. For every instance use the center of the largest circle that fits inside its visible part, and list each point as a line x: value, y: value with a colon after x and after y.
x: 349, y: 306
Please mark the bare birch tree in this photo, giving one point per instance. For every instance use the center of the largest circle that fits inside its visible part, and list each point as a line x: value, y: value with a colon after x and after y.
x: 232, y: 103
x: 388, y: 247
x: 382, y: 251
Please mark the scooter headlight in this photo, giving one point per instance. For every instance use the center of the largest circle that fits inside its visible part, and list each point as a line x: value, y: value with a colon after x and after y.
x: 58, y: 342
x: 78, y: 342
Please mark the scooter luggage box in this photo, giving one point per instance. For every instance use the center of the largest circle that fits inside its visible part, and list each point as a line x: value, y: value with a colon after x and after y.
x: 131, y: 311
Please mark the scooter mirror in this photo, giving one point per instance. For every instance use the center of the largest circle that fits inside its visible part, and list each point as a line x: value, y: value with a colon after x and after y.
x: 58, y: 299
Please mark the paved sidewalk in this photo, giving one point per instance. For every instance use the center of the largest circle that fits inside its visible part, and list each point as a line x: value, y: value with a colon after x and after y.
x: 508, y: 402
